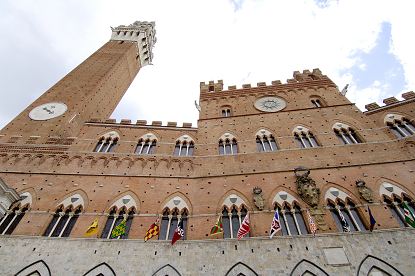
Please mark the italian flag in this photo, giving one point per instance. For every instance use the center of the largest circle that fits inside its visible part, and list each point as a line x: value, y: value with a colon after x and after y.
x: 409, y: 216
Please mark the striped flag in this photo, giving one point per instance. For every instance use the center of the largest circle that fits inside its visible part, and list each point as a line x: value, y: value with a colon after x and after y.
x: 313, y: 227
x: 275, y: 225
x: 244, y: 228
x: 409, y: 216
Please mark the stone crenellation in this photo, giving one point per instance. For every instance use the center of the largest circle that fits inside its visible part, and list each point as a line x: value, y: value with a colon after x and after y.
x: 407, y: 96
x: 139, y: 123
x: 305, y: 76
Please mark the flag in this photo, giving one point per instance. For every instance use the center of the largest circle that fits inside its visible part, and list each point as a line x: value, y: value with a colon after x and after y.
x: 154, y: 230
x: 313, y: 227
x: 92, y: 229
x: 275, y: 225
x: 344, y: 91
x: 372, y: 220
x: 345, y: 225
x: 119, y: 230
x: 244, y: 228
x: 217, y: 228
x: 409, y: 216
x: 178, y: 233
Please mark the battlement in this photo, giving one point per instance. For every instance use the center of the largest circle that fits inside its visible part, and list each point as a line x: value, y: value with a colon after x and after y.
x: 407, y: 96
x: 305, y: 76
x: 124, y: 122
x: 143, y: 33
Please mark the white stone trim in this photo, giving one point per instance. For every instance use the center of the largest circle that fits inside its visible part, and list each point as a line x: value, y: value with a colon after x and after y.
x: 176, y: 202
x: 75, y: 200
x: 126, y: 201
x: 389, y: 190
x: 282, y: 197
x: 233, y: 199
x: 334, y: 193
x: 7, y: 197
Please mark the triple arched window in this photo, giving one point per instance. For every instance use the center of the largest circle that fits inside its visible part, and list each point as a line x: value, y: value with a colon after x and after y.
x: 226, y: 111
x: 15, y: 214
x: 399, y: 125
x: 394, y: 197
x: 146, y: 144
x: 122, y: 210
x: 305, y: 137
x: 174, y: 211
x: 265, y: 141
x: 184, y: 146
x: 290, y: 214
x: 228, y: 145
x: 316, y: 102
x: 346, y: 134
x: 107, y: 142
x: 233, y: 213
x: 341, y: 206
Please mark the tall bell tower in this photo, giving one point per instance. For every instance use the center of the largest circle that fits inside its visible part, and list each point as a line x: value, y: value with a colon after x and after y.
x: 92, y: 90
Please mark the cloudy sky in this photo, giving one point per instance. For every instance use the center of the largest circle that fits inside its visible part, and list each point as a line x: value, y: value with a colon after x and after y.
x: 369, y: 44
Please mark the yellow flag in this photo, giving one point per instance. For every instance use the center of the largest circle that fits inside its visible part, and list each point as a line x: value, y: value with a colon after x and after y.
x: 92, y: 229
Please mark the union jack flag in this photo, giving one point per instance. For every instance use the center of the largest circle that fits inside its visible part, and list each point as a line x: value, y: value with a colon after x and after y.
x: 244, y: 229
x: 313, y: 227
x: 275, y: 225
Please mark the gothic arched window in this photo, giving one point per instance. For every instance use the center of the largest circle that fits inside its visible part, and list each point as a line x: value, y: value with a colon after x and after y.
x: 316, y: 102
x: 15, y: 214
x: 146, y: 144
x: 304, y: 137
x: 115, y: 218
x: 63, y: 221
x: 184, y: 146
x: 226, y: 111
x: 265, y: 141
x: 290, y: 214
x: 233, y: 213
x: 107, y: 142
x: 228, y: 145
x: 174, y: 211
x: 346, y: 134
x: 399, y: 125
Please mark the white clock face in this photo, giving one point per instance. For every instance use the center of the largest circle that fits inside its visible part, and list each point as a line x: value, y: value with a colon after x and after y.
x: 270, y: 104
x: 47, y: 111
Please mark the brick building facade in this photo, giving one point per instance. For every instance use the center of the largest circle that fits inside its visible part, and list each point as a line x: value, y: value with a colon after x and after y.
x: 71, y: 163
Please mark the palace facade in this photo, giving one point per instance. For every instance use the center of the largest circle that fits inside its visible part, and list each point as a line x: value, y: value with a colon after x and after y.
x: 295, y: 147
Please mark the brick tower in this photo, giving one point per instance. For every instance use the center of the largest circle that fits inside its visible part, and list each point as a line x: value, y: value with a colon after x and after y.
x: 100, y: 81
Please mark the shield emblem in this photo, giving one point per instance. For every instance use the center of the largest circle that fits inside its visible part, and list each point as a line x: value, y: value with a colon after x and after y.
x: 389, y: 188
x: 335, y: 193
x: 74, y: 199
x: 176, y: 201
x: 125, y: 200
x: 283, y: 196
x: 233, y: 199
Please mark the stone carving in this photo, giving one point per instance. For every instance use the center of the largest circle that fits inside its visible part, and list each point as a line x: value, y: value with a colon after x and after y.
x: 306, y: 186
x: 364, y: 191
x: 258, y: 198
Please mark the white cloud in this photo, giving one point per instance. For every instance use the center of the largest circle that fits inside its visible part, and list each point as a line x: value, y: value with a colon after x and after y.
x: 211, y: 40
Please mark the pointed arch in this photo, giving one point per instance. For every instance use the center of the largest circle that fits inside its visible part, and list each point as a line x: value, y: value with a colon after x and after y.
x: 304, y: 266
x: 127, y: 200
x: 167, y: 270
x: 370, y: 262
x: 304, y: 137
x: 107, y: 141
x: 241, y: 268
x: 184, y: 146
x: 330, y: 190
x: 102, y: 269
x: 233, y: 198
x: 390, y: 188
x: 346, y: 134
x: 178, y: 201
x: 77, y: 199
x: 39, y: 267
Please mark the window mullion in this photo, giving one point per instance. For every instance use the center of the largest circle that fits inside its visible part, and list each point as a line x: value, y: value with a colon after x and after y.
x: 400, y: 130
x: 10, y: 223
x: 109, y: 145
x: 286, y: 223
x: 230, y: 143
x: 270, y: 144
x: 230, y: 224
x: 61, y: 214
x: 344, y: 138
x: 180, y: 148
x: 168, y: 227
x: 296, y: 222
x: 101, y: 145
x: 141, y: 147
x: 302, y: 141
x: 352, y: 137
x: 262, y: 143
x: 112, y: 225
x: 187, y: 149
x: 66, y: 224
x: 4, y: 218
x: 352, y: 218
x: 408, y: 127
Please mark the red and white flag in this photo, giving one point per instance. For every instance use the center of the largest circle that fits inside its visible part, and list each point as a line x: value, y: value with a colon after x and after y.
x: 178, y: 233
x: 313, y: 227
x: 244, y: 228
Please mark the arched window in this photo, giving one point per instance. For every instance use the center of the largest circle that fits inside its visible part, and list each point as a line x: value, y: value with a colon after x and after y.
x: 174, y: 211
x: 107, y: 142
x: 184, y: 146
x: 346, y: 134
x: 304, y: 137
x: 339, y: 204
x: 233, y: 213
x: 15, y: 214
x: 290, y: 214
x: 228, y: 145
x: 65, y: 217
x: 399, y: 125
x: 63, y: 221
x: 226, y: 111
x: 146, y: 144
x: 316, y: 102
x: 265, y: 141
x: 122, y: 209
